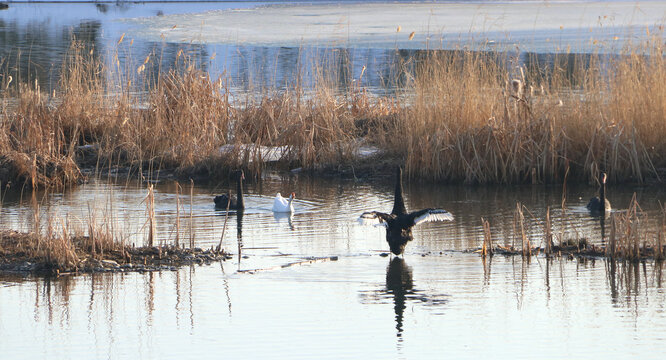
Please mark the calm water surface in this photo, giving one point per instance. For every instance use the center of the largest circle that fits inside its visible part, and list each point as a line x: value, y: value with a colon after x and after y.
x: 437, y: 300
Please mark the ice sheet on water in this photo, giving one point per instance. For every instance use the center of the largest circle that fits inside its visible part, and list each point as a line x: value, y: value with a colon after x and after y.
x: 377, y: 24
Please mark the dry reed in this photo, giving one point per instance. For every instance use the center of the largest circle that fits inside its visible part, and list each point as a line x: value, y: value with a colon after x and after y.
x: 150, y: 210
x: 55, y: 246
x: 633, y: 237
x: 548, y: 247
x: 462, y: 116
x: 487, y: 247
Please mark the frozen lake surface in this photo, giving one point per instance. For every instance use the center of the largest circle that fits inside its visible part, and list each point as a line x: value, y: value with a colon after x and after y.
x: 275, y: 45
x: 541, y: 26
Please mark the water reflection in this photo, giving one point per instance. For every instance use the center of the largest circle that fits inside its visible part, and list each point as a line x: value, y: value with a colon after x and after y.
x: 35, y: 52
x: 400, y: 290
x: 629, y: 280
x: 399, y: 283
x: 113, y: 312
x: 104, y: 300
x: 239, y: 236
x: 281, y: 217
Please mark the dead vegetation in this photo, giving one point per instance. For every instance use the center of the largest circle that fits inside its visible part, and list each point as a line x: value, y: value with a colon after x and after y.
x: 461, y: 116
x: 56, y: 246
x: 61, y: 255
x: 625, y: 235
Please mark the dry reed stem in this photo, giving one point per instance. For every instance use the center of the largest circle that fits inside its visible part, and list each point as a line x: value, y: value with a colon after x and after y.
x: 191, y: 217
x: 519, y: 217
x: 150, y: 210
x: 178, y: 190
x: 487, y: 247
x: 548, y: 235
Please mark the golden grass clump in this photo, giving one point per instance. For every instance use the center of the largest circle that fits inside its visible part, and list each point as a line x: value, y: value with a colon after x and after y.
x: 313, y: 131
x: 186, y: 121
x: 632, y: 237
x: 56, y: 252
x: 472, y: 120
x: 34, y: 149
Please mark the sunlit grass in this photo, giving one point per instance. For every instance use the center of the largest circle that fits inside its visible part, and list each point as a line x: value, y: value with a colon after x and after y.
x: 460, y: 116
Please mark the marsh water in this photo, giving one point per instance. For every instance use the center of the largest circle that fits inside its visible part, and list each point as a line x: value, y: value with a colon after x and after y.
x: 349, y: 300
x: 314, y: 284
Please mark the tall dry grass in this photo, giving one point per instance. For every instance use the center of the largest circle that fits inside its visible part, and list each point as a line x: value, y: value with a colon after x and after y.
x: 633, y: 237
x: 471, y: 120
x: 462, y: 116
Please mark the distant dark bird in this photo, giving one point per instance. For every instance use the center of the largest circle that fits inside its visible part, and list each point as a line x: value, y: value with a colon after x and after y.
x: 235, y: 203
x: 600, y: 204
x: 399, y: 222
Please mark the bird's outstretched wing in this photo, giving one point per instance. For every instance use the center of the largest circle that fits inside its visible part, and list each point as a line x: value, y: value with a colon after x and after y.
x: 374, y: 218
x: 430, y: 215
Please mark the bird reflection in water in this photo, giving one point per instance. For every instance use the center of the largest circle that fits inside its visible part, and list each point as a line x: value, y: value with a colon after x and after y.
x: 399, y: 283
x: 239, y: 233
x: 279, y: 216
x: 400, y: 291
x: 239, y: 229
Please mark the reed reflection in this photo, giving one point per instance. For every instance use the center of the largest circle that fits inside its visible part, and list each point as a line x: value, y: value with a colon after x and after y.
x: 487, y: 262
x: 625, y: 279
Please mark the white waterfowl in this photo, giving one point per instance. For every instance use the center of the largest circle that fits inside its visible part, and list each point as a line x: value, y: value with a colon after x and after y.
x: 283, y: 205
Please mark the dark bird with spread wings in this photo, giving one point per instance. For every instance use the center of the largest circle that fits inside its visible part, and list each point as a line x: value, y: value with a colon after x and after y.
x: 399, y: 222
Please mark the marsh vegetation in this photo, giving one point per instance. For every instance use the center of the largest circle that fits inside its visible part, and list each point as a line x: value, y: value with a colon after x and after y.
x: 457, y: 116
x: 118, y: 130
